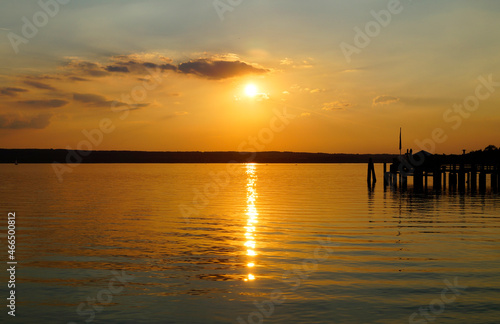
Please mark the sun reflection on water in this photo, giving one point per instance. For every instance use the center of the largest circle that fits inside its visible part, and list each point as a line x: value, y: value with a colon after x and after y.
x: 252, y: 219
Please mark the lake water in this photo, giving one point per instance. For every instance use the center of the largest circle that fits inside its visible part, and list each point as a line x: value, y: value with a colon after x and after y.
x: 196, y: 243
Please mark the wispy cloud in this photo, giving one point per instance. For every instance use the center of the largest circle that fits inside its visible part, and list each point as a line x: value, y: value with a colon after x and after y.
x: 39, y: 85
x: 16, y: 121
x: 384, y: 100
x: 50, y: 103
x: 217, y: 70
x: 336, y: 105
x: 95, y: 100
x: 11, y: 91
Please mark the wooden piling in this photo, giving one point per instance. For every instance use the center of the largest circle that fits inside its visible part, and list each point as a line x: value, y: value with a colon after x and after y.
x: 385, y: 176
x: 418, y: 180
x: 473, y: 179
x: 444, y: 178
x: 482, y: 180
x: 494, y: 179
x: 461, y: 178
x: 436, y: 178
x: 371, y: 173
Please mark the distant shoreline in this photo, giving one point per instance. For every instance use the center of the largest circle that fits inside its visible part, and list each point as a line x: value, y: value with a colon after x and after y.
x: 75, y: 156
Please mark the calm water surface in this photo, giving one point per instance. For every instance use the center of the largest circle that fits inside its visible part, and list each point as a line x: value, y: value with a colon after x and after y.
x: 268, y: 244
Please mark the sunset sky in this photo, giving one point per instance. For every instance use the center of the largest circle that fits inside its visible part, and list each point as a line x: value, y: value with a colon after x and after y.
x: 207, y: 75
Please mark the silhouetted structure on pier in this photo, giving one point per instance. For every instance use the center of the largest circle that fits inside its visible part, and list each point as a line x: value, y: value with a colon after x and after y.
x: 463, y: 173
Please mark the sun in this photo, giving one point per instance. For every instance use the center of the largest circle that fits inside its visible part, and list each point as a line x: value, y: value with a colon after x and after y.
x: 251, y: 90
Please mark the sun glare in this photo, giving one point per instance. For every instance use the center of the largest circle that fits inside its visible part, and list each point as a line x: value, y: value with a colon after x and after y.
x: 251, y: 90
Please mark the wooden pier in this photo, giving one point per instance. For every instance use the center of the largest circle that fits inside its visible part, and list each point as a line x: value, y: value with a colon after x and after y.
x: 455, y: 173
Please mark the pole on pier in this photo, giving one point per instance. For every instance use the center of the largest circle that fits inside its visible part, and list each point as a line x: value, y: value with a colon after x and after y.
x: 436, y: 180
x: 371, y: 173
x: 453, y: 179
x: 393, y: 175
x: 494, y: 179
x: 461, y: 178
x: 444, y: 178
x: 473, y: 179
x: 418, y: 180
x: 482, y: 180
x: 385, y: 175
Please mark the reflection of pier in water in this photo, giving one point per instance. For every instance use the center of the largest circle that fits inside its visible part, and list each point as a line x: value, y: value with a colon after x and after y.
x: 252, y: 216
x: 458, y: 173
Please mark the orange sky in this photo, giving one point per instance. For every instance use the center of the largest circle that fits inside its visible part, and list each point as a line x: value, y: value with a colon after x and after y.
x: 172, y: 75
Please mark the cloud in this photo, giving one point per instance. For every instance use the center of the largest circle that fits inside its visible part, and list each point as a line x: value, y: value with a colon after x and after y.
x: 306, y: 114
x: 11, y: 91
x: 39, y: 85
x: 74, y: 78
x: 53, y: 103
x: 166, y: 66
x: 94, y: 100
x: 86, y: 68
x: 216, y: 70
x: 90, y: 98
x: 384, y: 100
x: 336, y: 105
x: 16, y: 121
x: 261, y: 96
x: 114, y: 68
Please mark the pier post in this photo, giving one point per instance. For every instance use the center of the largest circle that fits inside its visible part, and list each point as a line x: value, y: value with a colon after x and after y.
x: 473, y: 179
x: 482, y: 180
x: 418, y: 180
x: 436, y: 180
x: 461, y: 178
x: 371, y: 173
x: 494, y: 179
x: 393, y: 176
x: 444, y: 178
x: 386, y: 180
x: 453, y: 178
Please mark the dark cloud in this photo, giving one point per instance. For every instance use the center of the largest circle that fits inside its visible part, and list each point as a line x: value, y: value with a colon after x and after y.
x: 11, y: 91
x: 94, y: 100
x: 217, y: 70
x: 114, y: 68
x: 385, y: 100
x: 90, y: 98
x: 53, y: 103
x: 336, y: 105
x: 13, y: 121
x: 163, y: 67
x: 87, y: 68
x: 74, y: 78
x: 39, y: 85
